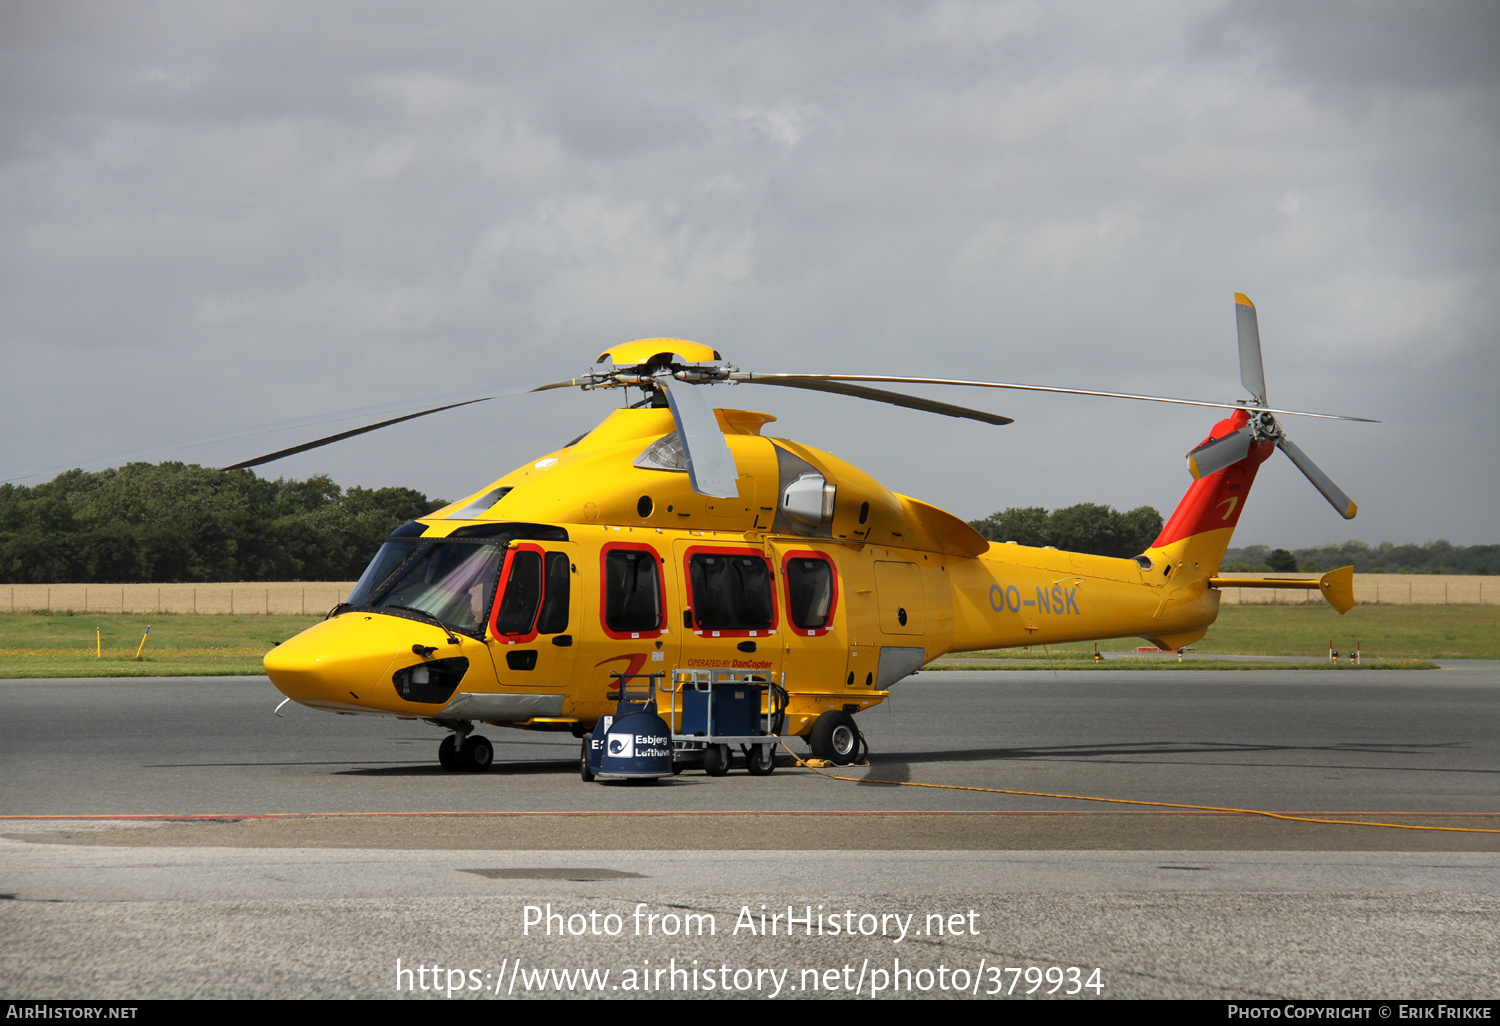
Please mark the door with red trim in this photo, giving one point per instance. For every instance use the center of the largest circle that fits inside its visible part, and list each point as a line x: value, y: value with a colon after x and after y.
x: 535, y: 622
x: 632, y: 631
x: 730, y: 608
x: 816, y: 647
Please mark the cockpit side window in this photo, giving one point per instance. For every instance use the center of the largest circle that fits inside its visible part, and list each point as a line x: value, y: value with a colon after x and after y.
x: 554, y: 618
x: 522, y: 595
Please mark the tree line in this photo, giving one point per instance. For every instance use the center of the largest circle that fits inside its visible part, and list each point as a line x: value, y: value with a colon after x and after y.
x: 169, y: 522
x: 1087, y: 527
x: 1104, y: 531
x: 1436, y: 557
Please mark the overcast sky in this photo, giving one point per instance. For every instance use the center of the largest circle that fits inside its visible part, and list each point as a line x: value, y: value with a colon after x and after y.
x: 221, y: 215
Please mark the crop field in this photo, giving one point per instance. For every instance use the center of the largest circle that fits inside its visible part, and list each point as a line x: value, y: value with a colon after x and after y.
x: 66, y: 645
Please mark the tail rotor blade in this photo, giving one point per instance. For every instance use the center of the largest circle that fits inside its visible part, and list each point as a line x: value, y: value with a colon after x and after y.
x: 1321, y: 481
x: 1252, y: 369
x: 710, y: 464
x: 1214, y: 456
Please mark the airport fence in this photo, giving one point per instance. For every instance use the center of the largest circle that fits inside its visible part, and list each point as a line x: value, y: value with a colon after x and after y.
x: 281, y: 598
x: 311, y: 598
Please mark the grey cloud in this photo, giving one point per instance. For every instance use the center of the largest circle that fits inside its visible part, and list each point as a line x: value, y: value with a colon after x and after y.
x: 241, y: 213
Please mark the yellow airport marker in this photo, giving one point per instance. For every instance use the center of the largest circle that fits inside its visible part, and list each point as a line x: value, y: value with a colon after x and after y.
x: 98, y: 642
x: 142, y: 648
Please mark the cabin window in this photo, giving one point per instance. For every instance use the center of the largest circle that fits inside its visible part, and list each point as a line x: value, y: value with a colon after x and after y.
x: 809, y: 585
x: 554, y: 618
x: 730, y: 592
x: 523, y: 593
x: 632, y: 591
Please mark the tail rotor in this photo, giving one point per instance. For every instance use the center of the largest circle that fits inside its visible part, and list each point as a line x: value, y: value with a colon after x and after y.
x: 1218, y: 453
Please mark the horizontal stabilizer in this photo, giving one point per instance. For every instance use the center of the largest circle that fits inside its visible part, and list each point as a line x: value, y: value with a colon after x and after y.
x: 1337, y: 586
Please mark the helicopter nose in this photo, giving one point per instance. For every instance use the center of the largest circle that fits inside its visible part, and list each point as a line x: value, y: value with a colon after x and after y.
x: 339, y: 662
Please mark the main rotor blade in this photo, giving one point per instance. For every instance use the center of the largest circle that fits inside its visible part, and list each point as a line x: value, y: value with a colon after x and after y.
x: 441, y: 402
x: 329, y: 440
x: 1252, y: 368
x: 1321, y: 481
x: 710, y: 464
x: 771, y: 379
x: 820, y: 384
x: 1220, y: 453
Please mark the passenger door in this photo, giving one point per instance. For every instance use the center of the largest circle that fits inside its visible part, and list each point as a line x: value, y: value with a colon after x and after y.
x: 535, y: 621
x: 730, y: 613
x: 632, y: 623
x: 815, y: 651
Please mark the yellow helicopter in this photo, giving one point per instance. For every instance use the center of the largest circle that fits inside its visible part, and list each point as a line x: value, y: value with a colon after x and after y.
x: 676, y: 536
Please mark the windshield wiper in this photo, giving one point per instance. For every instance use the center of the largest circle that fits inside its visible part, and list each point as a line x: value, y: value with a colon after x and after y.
x: 452, y: 639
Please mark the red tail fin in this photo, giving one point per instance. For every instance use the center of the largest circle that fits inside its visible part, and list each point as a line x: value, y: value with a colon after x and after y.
x: 1205, y: 519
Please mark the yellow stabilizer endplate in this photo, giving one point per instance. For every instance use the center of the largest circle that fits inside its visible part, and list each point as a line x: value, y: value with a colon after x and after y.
x: 1337, y: 587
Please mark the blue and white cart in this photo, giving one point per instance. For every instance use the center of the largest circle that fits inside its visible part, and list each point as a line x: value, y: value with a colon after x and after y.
x: 711, y: 709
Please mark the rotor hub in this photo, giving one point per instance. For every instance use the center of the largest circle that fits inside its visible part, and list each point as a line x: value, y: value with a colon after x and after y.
x: 1264, y: 427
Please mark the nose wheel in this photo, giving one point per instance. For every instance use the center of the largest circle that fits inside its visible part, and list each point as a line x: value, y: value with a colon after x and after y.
x: 475, y: 755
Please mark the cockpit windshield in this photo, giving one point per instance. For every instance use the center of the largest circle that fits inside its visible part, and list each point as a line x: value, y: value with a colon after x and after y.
x: 450, y: 579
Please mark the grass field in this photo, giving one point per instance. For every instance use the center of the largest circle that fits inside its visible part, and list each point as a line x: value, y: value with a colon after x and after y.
x: 60, y: 645
x: 180, y: 645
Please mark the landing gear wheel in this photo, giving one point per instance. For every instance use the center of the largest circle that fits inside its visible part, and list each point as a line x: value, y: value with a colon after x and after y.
x: 716, y: 760
x: 477, y: 753
x: 583, y: 764
x: 448, y: 754
x: 760, y: 760
x: 835, y: 737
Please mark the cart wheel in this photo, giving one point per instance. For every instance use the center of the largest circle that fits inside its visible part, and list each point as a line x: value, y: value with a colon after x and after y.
x: 760, y: 760
x: 716, y: 760
x: 835, y: 737
x: 583, y: 764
